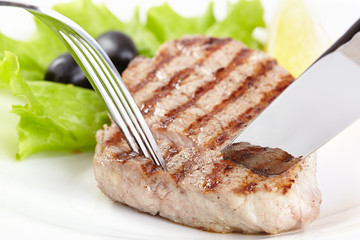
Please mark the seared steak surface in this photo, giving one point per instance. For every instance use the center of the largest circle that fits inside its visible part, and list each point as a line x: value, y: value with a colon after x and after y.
x: 196, y: 94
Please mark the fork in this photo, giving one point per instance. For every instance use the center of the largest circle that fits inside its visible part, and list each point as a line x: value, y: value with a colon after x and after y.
x: 104, y: 78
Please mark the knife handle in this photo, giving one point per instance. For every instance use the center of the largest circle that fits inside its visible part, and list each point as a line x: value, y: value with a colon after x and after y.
x: 347, y: 36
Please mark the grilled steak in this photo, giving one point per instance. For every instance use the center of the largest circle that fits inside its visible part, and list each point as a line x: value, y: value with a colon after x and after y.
x: 196, y: 94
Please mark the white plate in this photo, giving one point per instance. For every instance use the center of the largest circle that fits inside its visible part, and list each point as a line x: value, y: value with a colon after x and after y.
x: 54, y: 196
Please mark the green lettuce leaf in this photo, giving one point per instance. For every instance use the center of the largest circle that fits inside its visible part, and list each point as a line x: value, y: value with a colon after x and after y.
x: 35, y: 54
x: 145, y: 40
x: 166, y: 24
x: 97, y: 19
x: 56, y: 117
x: 241, y: 20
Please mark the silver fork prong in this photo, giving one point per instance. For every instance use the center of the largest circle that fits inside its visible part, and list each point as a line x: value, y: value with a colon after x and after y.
x: 117, y: 96
x: 131, y: 108
x: 113, y: 111
x: 103, y: 76
x: 105, y: 79
x: 150, y: 141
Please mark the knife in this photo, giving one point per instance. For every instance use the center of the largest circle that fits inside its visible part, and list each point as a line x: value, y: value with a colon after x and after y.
x: 317, y: 106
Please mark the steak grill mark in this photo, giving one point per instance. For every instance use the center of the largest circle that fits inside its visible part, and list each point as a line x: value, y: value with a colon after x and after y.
x: 220, y: 75
x: 164, y: 58
x: 220, y: 169
x: 148, y: 106
x: 214, y: 178
x: 248, y: 83
x: 242, y: 120
x: 178, y: 77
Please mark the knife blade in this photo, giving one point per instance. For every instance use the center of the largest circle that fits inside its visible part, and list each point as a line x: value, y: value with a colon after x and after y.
x: 317, y: 106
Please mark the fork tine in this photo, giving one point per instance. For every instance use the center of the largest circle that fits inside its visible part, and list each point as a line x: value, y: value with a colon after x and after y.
x: 128, y: 103
x: 148, y: 137
x: 141, y: 133
x: 107, y: 80
x: 115, y: 114
x: 138, y: 127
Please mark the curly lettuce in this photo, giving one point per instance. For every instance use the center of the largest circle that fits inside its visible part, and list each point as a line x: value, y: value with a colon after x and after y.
x: 56, y: 117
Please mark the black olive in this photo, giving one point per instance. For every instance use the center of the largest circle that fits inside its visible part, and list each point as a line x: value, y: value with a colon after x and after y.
x: 119, y: 47
x: 61, y: 68
x: 79, y: 79
x: 64, y: 69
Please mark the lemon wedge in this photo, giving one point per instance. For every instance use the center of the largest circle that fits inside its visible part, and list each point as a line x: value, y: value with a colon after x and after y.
x: 295, y: 37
